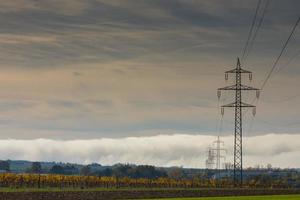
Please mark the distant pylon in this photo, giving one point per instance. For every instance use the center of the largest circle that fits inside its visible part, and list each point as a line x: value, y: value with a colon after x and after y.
x: 214, y: 155
x: 238, y: 87
x: 219, y: 152
x: 210, y: 161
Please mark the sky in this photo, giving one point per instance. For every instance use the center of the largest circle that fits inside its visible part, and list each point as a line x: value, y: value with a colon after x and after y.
x: 135, y: 80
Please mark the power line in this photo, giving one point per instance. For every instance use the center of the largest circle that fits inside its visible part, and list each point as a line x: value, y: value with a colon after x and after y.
x: 276, y: 62
x: 251, y: 29
x: 254, y: 37
x: 257, y: 29
x: 291, y: 59
x: 278, y: 58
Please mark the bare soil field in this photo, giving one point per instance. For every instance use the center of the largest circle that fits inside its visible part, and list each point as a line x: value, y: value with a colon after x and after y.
x: 140, y: 194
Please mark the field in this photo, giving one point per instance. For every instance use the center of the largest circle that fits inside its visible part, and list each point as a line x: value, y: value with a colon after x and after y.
x: 144, y: 193
x: 277, y: 197
x: 55, y: 189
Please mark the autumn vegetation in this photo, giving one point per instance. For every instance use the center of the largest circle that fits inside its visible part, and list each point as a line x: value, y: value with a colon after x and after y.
x: 77, y: 181
x: 142, y: 176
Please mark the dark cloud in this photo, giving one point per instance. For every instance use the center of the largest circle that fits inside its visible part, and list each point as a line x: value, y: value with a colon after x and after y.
x: 159, y: 63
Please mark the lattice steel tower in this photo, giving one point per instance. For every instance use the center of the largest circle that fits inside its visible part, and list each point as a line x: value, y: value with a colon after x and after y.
x: 219, y: 152
x: 238, y: 105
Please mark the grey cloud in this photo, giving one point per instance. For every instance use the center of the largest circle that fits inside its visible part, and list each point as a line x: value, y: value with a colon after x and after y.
x: 175, y: 103
x: 63, y: 103
x: 176, y: 51
x: 15, y: 105
x: 74, y: 103
x: 78, y: 74
x: 65, y: 7
x: 99, y: 102
x: 106, y: 32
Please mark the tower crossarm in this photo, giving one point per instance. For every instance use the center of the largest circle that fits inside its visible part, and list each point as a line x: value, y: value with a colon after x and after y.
x: 239, y: 70
x: 241, y: 87
x: 234, y: 104
x: 221, y: 149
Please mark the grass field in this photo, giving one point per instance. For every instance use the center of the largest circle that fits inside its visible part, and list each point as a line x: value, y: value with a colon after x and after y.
x: 277, y: 197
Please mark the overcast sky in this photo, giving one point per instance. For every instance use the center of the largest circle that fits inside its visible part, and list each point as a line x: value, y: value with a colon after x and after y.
x: 77, y: 70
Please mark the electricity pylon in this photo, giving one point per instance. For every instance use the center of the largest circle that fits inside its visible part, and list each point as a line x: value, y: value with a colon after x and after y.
x: 219, y: 152
x: 238, y: 87
x: 210, y: 161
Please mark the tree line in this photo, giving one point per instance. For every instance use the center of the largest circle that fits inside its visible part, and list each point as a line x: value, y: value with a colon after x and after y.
x: 63, y: 176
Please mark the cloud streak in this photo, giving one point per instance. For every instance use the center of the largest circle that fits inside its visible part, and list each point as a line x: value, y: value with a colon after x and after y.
x: 160, y: 150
